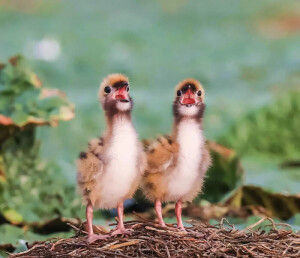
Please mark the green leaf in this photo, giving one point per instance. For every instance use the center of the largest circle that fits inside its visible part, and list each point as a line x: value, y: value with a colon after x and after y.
x: 51, y: 103
x: 25, y: 102
x: 12, y: 234
x: 19, y: 117
x: 12, y: 216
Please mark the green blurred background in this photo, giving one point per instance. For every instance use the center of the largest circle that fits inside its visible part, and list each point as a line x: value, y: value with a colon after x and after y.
x: 245, y: 53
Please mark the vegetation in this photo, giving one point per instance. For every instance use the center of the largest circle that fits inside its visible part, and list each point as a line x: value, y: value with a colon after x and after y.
x: 273, y: 130
x: 31, y: 189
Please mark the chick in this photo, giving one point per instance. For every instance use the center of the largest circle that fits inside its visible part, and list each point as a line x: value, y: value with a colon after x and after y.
x: 110, y: 170
x: 177, y: 164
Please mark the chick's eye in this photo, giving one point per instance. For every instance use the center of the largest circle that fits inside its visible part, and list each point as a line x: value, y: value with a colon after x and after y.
x: 127, y: 88
x: 107, y: 89
x: 199, y: 93
x: 179, y: 93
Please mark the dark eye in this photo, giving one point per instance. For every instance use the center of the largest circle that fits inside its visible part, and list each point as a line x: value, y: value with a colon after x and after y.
x: 107, y: 89
x: 179, y: 93
x: 127, y: 88
x: 199, y: 93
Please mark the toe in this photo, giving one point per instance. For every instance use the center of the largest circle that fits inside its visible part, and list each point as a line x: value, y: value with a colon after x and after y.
x: 122, y: 231
x: 94, y: 237
x: 181, y: 228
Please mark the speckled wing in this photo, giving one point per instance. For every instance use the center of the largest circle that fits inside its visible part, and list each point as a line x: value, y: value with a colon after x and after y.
x: 161, y: 154
x: 90, y: 166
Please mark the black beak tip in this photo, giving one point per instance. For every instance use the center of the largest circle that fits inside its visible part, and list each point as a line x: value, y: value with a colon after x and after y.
x: 124, y: 100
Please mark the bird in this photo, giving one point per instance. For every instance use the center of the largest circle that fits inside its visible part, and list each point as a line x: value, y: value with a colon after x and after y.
x: 110, y: 170
x: 177, y: 163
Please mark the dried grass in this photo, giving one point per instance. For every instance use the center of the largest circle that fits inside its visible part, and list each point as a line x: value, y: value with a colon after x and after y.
x: 201, y: 240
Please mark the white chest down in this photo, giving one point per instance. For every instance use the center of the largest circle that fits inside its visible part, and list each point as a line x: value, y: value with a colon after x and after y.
x: 121, y: 168
x: 184, y: 175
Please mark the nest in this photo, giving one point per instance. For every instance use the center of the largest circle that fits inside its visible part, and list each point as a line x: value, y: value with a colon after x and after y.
x: 201, y: 240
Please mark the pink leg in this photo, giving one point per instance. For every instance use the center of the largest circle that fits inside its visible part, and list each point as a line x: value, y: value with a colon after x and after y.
x: 89, y: 217
x: 120, y: 229
x: 158, y: 212
x: 178, y: 210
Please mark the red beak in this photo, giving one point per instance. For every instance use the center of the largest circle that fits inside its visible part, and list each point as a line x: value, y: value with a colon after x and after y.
x: 188, y: 97
x: 122, y: 93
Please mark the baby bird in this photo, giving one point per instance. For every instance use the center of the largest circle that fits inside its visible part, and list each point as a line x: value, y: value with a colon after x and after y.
x: 111, y: 169
x: 176, y: 164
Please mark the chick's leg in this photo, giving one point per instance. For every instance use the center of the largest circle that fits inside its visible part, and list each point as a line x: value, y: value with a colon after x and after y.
x: 158, y: 212
x: 92, y: 237
x: 120, y: 229
x: 178, y: 211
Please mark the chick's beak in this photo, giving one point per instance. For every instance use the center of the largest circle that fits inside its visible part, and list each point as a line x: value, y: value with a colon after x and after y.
x: 188, y: 97
x: 121, y: 93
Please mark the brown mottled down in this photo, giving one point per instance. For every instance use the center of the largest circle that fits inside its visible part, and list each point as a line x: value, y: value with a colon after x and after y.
x: 162, y: 157
x: 89, y: 166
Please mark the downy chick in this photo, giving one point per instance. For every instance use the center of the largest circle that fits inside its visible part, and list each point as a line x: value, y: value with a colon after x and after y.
x: 110, y: 171
x: 177, y: 164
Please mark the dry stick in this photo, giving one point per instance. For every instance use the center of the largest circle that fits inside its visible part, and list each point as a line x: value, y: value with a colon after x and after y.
x: 222, y: 223
x: 76, y: 229
x: 154, y: 229
x: 108, y: 245
x: 27, y: 251
x: 56, y: 243
x: 74, y: 251
x: 133, y: 242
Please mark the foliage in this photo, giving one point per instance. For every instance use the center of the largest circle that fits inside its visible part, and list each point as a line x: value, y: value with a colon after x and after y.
x: 23, y: 100
x: 273, y: 129
x: 34, y: 190
x: 30, y: 189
